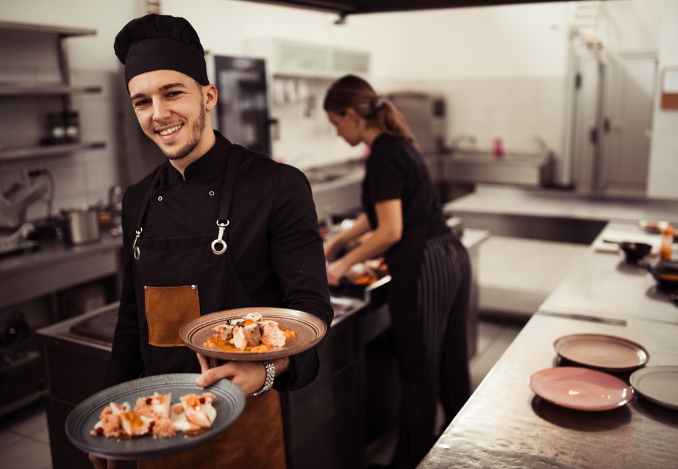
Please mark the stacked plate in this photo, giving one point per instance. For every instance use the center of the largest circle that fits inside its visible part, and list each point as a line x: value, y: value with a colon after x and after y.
x: 595, y: 389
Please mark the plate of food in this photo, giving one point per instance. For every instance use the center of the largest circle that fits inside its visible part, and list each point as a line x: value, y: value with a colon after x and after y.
x: 651, y: 226
x: 580, y: 388
x: 153, y: 417
x: 665, y: 274
x: 253, y: 334
x: 602, y: 351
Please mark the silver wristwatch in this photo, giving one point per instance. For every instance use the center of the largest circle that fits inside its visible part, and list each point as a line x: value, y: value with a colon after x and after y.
x: 270, y: 376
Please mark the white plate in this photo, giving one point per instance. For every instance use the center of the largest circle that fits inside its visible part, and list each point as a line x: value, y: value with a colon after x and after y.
x: 658, y: 384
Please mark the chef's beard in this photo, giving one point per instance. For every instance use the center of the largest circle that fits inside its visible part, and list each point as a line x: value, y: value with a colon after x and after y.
x: 198, y: 128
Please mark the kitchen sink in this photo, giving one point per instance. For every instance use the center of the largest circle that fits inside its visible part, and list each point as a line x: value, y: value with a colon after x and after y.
x: 511, y: 168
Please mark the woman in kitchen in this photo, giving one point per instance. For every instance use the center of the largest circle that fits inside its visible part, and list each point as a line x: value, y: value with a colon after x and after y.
x: 429, y: 291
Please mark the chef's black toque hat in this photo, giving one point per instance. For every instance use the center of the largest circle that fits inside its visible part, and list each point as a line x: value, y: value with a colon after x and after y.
x: 161, y: 42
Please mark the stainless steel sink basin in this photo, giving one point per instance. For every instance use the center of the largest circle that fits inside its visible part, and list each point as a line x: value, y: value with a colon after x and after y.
x: 511, y: 168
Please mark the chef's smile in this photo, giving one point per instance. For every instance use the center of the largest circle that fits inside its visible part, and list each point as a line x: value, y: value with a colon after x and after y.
x: 168, y: 134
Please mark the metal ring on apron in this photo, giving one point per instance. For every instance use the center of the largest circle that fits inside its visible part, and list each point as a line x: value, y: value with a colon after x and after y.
x: 219, y: 240
x: 135, y: 249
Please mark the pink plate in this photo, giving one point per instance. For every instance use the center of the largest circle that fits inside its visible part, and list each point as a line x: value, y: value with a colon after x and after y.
x: 580, y: 388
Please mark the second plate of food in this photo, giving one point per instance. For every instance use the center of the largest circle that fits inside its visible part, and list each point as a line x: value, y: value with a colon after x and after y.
x: 601, y: 351
x: 229, y: 404
x: 308, y: 331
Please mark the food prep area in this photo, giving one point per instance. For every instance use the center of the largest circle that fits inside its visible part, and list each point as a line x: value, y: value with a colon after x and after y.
x: 493, y: 185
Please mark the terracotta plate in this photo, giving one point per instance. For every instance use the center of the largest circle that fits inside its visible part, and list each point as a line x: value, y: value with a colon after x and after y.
x: 580, y: 388
x: 658, y: 384
x: 603, y: 352
x: 229, y: 404
x: 309, y: 331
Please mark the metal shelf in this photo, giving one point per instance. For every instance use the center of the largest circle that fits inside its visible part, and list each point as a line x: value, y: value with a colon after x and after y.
x: 63, y: 31
x: 41, y: 89
x: 18, y: 153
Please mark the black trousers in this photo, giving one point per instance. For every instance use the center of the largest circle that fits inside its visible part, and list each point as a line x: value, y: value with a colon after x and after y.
x: 429, y: 307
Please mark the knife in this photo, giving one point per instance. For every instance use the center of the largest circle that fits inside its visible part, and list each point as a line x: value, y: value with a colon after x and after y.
x: 584, y: 317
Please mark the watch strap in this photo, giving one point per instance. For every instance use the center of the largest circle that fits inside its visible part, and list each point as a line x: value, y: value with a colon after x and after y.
x: 270, y: 377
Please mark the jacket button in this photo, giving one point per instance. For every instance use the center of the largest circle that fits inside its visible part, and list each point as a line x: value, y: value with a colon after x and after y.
x: 211, y: 193
x: 160, y: 199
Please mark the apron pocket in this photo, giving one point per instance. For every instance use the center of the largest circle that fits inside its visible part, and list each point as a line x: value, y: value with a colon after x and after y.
x: 167, y: 309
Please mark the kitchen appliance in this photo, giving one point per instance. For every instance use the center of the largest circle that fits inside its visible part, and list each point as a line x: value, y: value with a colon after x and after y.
x: 242, y: 111
x: 426, y: 116
x: 80, y: 225
x: 15, y: 234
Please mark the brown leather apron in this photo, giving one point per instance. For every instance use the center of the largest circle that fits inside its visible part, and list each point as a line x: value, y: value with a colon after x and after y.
x: 176, y: 280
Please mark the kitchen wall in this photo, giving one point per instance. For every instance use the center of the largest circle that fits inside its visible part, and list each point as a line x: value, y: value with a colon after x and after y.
x: 502, y: 70
x: 663, y: 171
x: 82, y: 177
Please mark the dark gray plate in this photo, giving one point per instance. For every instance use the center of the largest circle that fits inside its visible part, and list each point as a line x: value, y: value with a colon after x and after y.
x: 229, y: 404
x: 309, y: 331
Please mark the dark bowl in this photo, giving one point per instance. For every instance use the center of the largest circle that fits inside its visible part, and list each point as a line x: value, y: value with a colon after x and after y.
x: 635, y: 251
x: 666, y: 275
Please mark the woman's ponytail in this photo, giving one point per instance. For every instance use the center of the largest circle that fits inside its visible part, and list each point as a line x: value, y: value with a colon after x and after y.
x: 394, y: 123
x: 353, y: 92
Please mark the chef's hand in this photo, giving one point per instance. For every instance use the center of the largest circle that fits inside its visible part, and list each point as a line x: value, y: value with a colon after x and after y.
x: 250, y: 376
x: 335, y: 271
x: 101, y: 463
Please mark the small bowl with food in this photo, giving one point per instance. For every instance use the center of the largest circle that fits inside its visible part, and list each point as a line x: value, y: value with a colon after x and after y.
x: 666, y: 275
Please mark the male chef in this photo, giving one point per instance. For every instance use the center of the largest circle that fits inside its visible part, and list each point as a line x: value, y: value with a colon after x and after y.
x: 216, y: 227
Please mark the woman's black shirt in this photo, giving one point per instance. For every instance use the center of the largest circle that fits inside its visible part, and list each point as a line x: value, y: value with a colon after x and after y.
x: 396, y: 170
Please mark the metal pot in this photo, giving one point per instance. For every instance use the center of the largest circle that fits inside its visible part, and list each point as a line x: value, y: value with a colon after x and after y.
x: 80, y: 225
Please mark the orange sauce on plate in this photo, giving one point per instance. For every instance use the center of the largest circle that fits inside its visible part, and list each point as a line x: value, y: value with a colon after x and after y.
x: 221, y: 344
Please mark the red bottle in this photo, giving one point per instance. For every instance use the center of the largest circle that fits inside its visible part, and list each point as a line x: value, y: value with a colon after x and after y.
x: 498, y: 150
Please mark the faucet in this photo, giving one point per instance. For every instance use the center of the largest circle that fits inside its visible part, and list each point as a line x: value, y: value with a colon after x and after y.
x: 458, y: 139
x: 543, y: 147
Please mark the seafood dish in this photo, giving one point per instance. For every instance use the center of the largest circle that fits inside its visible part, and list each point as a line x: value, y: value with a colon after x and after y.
x: 155, y: 415
x: 251, y: 333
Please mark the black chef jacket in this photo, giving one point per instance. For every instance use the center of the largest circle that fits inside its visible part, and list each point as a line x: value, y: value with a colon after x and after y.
x: 273, y: 241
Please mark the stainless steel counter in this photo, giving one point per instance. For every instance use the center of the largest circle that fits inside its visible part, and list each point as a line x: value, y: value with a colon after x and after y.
x: 56, y: 266
x: 504, y: 424
x: 503, y: 200
x: 605, y: 285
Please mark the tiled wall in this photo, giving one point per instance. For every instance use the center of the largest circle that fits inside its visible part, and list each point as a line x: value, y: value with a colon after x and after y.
x: 83, y: 177
x: 518, y: 110
x: 305, y: 137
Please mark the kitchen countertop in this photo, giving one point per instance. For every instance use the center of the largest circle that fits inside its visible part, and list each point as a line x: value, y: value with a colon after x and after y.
x: 55, y: 267
x: 559, y: 203
x: 604, y: 285
x: 54, y: 251
x: 504, y: 424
